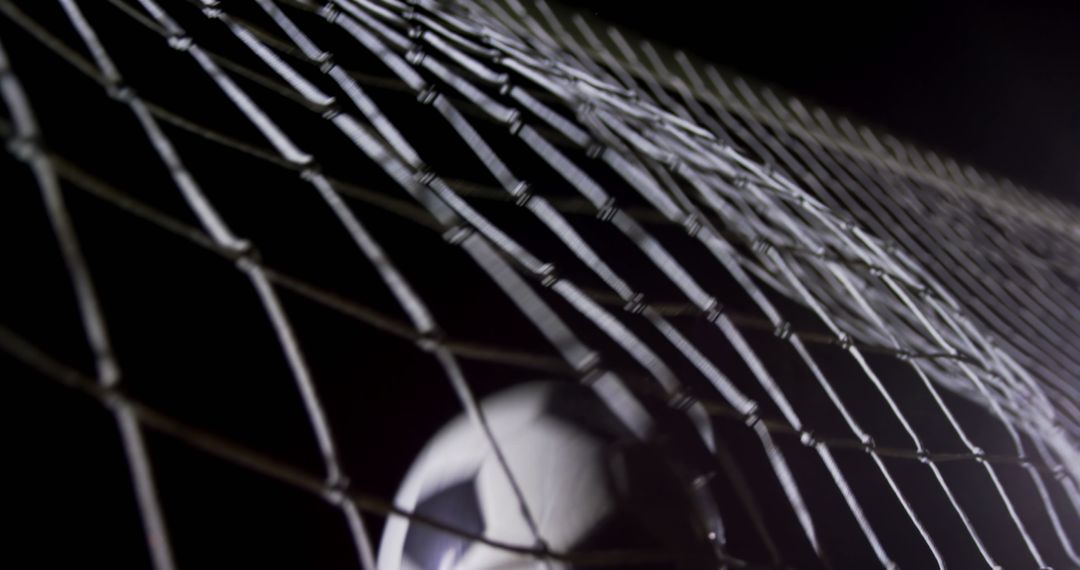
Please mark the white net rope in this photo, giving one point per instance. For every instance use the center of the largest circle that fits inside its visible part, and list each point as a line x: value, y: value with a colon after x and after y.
x: 898, y: 259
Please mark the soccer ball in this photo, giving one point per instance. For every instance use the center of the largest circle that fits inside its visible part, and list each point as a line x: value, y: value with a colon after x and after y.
x: 587, y: 481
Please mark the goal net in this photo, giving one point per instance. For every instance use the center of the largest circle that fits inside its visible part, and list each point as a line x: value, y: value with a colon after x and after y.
x: 256, y: 252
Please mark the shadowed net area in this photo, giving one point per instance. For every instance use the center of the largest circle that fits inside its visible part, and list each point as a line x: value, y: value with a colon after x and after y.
x: 257, y: 252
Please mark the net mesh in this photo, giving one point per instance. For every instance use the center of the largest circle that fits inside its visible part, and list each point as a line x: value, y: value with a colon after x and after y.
x: 883, y: 343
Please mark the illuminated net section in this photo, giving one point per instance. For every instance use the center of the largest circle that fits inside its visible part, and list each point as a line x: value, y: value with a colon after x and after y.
x: 882, y: 345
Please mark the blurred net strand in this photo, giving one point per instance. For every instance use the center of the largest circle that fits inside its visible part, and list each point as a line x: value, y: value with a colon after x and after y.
x: 417, y: 215
x: 797, y: 147
x: 617, y: 332
x: 869, y: 150
x: 11, y: 344
x: 280, y: 89
x: 419, y: 316
x: 534, y: 307
x: 1037, y: 480
x: 25, y: 140
x: 825, y: 456
x: 812, y: 162
x: 1020, y: 527
x: 1031, y: 546
x: 474, y: 67
x: 1053, y: 337
x: 852, y: 425
x: 883, y: 193
x: 893, y: 155
x: 84, y: 182
x: 646, y: 73
x: 429, y: 190
x: 219, y: 231
x: 402, y: 208
x: 563, y: 230
x: 248, y: 458
x: 1014, y: 436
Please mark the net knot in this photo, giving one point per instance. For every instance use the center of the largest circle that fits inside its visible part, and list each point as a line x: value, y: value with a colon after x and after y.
x: 673, y: 162
x: 607, y: 211
x: 692, y: 225
x: 121, y: 92
x: 457, y: 234
x: 703, y: 480
x: 783, y: 330
x: 331, y: 112
x: 868, y: 443
x: 427, y: 95
x: 924, y: 456
x: 24, y: 147
x: 336, y: 490
x: 1058, y: 472
x: 415, y: 55
x: 636, y: 304
x: 330, y: 13
x: 681, y: 400
x: 546, y: 269
x: 244, y: 249
x: 713, y: 313
x: 592, y: 376
x: 180, y: 42
x: 424, y: 175
x: 311, y: 172
x: 513, y: 121
x: 751, y: 415
x: 112, y: 398
x: 431, y: 340
x: 522, y: 193
x: 806, y: 437
x: 589, y: 365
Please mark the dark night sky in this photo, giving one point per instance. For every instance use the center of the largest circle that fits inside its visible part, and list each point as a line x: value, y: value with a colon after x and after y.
x: 995, y: 84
